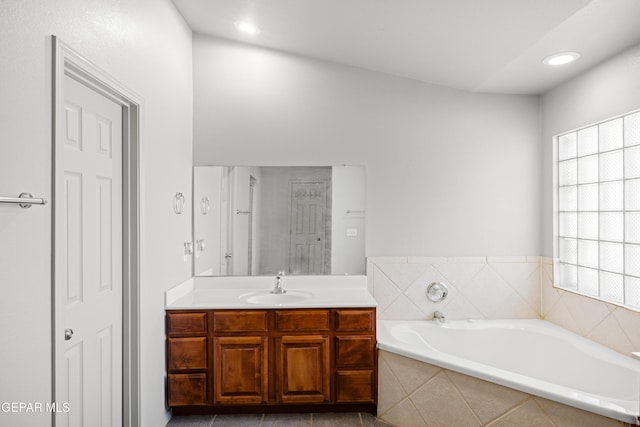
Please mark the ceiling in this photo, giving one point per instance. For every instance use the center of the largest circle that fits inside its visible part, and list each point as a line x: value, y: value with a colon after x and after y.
x: 492, y: 46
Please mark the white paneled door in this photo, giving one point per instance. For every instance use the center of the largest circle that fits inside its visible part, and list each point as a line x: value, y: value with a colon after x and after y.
x: 88, y: 253
x: 307, y: 227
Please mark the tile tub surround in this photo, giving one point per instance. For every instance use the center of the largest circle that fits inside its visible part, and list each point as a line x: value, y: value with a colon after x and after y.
x: 418, y: 394
x: 519, y: 287
x: 479, y: 287
x: 607, y: 324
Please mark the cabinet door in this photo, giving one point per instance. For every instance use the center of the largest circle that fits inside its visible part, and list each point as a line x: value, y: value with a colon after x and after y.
x: 240, y: 370
x: 303, y: 369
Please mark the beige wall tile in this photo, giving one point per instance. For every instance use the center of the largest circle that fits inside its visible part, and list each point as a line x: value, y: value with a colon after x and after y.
x: 402, y: 308
x: 404, y: 415
x: 459, y: 274
x: 630, y: 323
x: 411, y: 374
x: 390, y: 392
x: 417, y: 292
x: 467, y: 259
x: 587, y: 312
x: 440, y: 404
x: 567, y: 416
x: 527, y: 415
x: 402, y: 275
x: 509, y: 259
x: 488, y: 292
x: 384, y: 290
x: 609, y: 333
x: 560, y: 316
x: 487, y: 400
x: 460, y: 308
x: 495, y: 288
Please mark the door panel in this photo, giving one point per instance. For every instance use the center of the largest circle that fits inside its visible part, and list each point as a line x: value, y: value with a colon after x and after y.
x: 307, y: 224
x: 88, y: 235
x: 302, y: 365
x: 240, y: 370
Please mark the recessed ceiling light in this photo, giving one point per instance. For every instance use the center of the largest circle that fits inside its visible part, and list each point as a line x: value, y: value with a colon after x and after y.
x: 561, y: 58
x: 247, y: 28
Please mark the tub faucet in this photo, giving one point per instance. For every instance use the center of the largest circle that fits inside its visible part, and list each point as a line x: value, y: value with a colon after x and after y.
x: 278, y: 287
x: 438, y: 317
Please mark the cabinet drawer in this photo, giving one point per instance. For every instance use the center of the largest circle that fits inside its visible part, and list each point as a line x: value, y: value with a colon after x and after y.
x: 355, y: 352
x: 355, y: 320
x: 240, y: 321
x: 187, y: 353
x: 182, y: 323
x: 187, y: 389
x: 355, y: 386
x: 302, y: 320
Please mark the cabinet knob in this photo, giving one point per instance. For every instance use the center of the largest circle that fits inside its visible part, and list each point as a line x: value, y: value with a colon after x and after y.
x: 68, y: 334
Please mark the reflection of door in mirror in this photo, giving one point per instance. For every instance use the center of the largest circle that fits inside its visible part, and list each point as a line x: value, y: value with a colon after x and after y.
x: 210, y: 218
x: 223, y: 262
x: 244, y: 213
x: 307, y: 227
x: 252, y: 230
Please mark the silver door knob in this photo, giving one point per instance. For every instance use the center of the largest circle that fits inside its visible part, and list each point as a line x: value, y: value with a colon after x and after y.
x: 68, y: 334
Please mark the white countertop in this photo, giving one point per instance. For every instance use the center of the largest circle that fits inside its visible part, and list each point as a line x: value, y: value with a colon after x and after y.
x: 228, y: 292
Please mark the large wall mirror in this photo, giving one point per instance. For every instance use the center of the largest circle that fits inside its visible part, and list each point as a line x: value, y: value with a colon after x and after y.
x: 251, y: 220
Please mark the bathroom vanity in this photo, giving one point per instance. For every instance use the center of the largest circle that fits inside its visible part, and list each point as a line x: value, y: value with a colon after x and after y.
x: 236, y: 347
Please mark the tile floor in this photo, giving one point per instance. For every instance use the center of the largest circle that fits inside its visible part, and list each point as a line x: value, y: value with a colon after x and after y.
x: 351, y: 419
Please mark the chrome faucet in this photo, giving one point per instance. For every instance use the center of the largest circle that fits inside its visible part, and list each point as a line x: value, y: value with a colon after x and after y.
x: 278, y: 287
x: 438, y: 317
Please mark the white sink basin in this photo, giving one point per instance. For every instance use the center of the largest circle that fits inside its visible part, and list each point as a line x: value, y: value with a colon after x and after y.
x: 267, y: 298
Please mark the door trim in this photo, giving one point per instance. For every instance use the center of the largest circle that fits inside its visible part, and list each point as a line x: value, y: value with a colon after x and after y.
x: 68, y: 62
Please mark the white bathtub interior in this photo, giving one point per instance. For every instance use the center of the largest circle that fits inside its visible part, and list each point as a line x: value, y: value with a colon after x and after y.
x: 533, y: 356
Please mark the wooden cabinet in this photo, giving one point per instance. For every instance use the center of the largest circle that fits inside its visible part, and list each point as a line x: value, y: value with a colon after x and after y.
x: 187, y: 362
x: 271, y: 360
x: 355, y: 356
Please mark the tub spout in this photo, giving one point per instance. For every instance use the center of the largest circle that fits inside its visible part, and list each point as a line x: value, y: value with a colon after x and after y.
x: 438, y: 317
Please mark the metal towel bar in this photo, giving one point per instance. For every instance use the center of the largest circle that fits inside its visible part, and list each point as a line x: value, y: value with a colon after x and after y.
x: 24, y: 200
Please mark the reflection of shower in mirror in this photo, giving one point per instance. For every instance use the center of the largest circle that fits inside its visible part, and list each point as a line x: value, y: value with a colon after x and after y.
x: 261, y: 220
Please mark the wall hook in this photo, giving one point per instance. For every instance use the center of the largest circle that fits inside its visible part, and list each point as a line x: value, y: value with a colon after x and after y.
x: 178, y: 203
x: 204, y: 205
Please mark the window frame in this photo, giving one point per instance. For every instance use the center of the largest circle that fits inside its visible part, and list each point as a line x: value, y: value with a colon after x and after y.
x: 629, y: 142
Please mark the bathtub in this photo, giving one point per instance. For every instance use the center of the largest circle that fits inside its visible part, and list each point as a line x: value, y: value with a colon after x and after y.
x: 532, y: 356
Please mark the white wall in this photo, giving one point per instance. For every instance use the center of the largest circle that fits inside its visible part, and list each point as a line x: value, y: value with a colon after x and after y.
x: 448, y: 172
x: 207, y: 227
x: 608, y: 90
x: 147, y: 46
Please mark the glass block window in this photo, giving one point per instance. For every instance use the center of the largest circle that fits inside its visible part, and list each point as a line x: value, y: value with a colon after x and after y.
x: 597, y: 211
